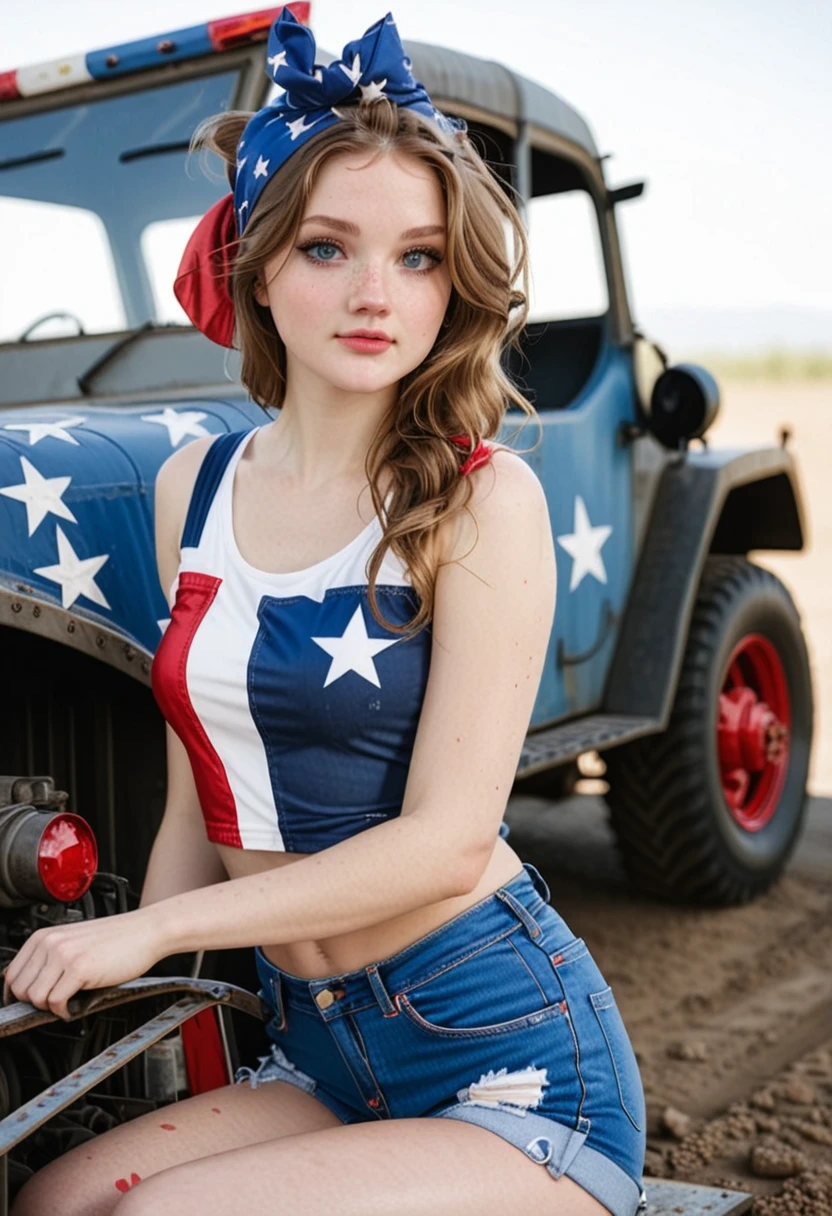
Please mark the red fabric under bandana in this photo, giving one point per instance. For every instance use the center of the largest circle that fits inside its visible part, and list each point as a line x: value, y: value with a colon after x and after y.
x: 201, y: 285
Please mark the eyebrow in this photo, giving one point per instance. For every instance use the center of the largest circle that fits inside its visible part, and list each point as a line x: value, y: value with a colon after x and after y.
x: 354, y: 230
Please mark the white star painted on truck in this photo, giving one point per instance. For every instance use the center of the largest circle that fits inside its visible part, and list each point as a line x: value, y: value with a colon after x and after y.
x: 76, y: 575
x: 373, y: 90
x: 354, y: 651
x: 179, y: 424
x: 584, y: 546
x: 46, y: 430
x: 40, y: 495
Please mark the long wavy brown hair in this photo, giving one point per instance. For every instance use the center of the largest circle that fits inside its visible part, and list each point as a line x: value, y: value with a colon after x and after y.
x: 460, y: 388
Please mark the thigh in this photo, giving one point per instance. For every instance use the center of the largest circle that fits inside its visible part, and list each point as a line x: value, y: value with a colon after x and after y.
x: 90, y: 1179
x: 408, y: 1166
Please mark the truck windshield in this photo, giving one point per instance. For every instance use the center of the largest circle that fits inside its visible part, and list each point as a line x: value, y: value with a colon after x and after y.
x: 97, y: 201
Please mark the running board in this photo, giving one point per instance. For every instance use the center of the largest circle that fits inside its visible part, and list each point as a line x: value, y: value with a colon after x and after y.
x: 667, y: 1198
x: 556, y: 744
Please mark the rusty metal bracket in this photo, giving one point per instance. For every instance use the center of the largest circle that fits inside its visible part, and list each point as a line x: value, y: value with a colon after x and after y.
x: 200, y: 994
x: 21, y: 1016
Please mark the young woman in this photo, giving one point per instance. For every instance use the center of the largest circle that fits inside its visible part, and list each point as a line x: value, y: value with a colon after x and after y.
x: 362, y: 594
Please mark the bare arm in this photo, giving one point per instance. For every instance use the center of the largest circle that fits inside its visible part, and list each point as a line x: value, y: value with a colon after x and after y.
x: 182, y: 857
x: 492, y: 623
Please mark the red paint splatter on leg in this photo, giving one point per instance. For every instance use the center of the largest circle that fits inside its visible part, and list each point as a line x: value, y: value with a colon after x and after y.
x: 168, y: 1127
x: 123, y: 1185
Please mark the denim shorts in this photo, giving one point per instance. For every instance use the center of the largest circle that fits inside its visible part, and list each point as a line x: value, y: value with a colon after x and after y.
x: 499, y: 1017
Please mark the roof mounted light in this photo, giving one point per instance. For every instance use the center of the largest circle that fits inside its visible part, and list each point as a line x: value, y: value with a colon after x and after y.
x: 128, y: 57
x: 229, y: 32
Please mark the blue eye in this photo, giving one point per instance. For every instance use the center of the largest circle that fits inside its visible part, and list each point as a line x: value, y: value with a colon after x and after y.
x: 321, y: 245
x: 417, y: 253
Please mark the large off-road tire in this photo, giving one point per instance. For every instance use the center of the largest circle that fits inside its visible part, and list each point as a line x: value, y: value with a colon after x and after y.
x: 709, y: 811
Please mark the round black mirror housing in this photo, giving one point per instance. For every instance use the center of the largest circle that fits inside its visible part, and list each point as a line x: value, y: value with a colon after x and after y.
x: 683, y: 404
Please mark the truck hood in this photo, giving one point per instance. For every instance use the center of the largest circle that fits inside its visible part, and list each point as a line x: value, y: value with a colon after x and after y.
x: 76, y: 504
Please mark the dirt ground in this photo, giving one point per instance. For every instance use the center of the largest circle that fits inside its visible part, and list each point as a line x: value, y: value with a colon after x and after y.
x: 730, y: 1011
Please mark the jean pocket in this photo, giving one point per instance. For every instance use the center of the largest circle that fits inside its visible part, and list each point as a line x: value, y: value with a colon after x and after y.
x: 622, y: 1056
x: 492, y: 990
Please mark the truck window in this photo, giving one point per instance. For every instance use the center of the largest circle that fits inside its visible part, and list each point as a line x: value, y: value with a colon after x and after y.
x: 163, y: 244
x: 55, y: 258
x: 567, y: 277
x: 81, y: 182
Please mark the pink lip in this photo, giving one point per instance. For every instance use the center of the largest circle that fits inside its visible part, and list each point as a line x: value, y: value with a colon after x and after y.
x: 365, y: 346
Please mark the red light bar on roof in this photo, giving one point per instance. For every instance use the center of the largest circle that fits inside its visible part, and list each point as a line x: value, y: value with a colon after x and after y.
x: 8, y: 86
x: 221, y: 35
x: 229, y: 32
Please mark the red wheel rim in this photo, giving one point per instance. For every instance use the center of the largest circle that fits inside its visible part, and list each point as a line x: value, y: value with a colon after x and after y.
x: 753, y: 733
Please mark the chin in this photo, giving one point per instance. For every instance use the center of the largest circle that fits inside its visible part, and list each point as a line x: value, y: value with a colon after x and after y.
x: 369, y: 379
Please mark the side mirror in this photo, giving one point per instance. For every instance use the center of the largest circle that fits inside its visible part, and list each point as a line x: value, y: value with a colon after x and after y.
x: 683, y: 404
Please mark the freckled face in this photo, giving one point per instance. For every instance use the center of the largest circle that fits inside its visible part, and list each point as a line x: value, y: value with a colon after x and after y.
x: 333, y: 281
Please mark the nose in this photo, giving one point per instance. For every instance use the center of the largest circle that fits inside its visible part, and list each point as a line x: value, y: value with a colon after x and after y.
x: 368, y: 290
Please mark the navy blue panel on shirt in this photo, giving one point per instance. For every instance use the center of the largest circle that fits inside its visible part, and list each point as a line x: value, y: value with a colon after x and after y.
x: 337, y: 716
x: 208, y: 479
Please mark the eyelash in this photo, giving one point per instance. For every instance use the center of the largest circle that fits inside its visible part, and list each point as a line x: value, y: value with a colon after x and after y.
x: 431, y: 253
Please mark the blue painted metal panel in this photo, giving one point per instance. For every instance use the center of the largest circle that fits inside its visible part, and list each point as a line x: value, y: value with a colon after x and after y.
x: 76, y: 502
x: 580, y: 459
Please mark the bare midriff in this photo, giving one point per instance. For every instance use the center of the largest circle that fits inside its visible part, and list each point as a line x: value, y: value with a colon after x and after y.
x: 351, y: 951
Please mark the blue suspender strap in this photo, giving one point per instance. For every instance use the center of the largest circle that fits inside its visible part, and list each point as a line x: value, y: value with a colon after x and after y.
x: 208, y: 478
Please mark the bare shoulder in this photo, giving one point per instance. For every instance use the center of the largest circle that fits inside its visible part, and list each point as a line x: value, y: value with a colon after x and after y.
x: 175, y: 483
x: 507, y: 507
x: 174, y: 486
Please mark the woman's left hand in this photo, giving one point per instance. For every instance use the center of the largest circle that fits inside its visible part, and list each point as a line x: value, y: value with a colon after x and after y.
x: 57, y: 962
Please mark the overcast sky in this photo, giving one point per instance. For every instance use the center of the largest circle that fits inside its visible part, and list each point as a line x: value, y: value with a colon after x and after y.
x: 723, y: 106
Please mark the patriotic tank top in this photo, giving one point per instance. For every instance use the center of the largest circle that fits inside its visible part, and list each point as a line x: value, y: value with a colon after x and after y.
x: 298, y: 711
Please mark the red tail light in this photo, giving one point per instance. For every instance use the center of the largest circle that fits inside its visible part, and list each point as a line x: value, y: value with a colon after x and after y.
x: 67, y: 857
x: 229, y: 32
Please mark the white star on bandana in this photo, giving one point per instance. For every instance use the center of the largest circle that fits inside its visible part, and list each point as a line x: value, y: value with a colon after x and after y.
x: 299, y: 125
x: 354, y: 72
x: 41, y: 495
x: 277, y: 61
x: 261, y: 169
x: 354, y: 651
x: 372, y: 91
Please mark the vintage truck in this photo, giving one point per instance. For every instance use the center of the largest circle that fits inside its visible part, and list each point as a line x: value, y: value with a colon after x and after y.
x: 672, y: 655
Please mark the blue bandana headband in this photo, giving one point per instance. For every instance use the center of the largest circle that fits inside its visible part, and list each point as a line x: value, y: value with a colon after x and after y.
x: 370, y: 67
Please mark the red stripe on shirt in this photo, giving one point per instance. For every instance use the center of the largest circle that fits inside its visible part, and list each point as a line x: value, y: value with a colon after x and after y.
x: 195, y: 595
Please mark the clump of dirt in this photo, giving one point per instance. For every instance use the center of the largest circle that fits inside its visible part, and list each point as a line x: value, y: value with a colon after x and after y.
x: 776, y: 1144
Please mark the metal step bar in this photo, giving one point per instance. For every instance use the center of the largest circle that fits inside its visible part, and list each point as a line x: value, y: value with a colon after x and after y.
x: 668, y: 1198
x: 567, y: 740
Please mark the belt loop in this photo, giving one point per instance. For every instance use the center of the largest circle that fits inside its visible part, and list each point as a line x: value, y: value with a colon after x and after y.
x: 523, y: 914
x: 380, y: 992
x: 541, y: 886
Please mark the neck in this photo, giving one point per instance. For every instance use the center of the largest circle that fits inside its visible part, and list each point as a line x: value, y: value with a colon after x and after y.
x: 323, y: 434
